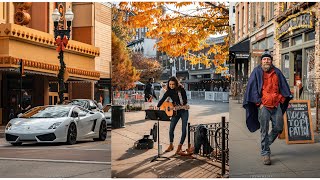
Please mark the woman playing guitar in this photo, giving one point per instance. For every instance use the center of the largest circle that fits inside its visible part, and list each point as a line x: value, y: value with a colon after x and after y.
x: 179, y: 97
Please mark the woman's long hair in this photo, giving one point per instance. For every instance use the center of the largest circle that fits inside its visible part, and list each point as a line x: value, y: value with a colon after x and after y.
x: 175, y: 80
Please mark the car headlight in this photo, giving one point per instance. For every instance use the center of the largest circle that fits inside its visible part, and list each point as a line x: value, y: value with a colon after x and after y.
x: 8, y: 127
x: 55, y: 125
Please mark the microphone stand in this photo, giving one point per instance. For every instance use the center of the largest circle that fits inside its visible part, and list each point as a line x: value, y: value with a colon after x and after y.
x: 158, y: 157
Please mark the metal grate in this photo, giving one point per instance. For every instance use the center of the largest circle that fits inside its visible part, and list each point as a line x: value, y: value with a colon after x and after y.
x: 47, y: 137
x: 10, y: 137
x: 213, y: 129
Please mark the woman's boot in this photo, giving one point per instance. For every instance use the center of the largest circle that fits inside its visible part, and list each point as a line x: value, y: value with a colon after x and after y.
x: 170, y: 148
x: 179, y: 150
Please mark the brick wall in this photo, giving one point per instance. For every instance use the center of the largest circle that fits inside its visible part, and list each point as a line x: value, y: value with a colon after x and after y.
x: 103, y: 39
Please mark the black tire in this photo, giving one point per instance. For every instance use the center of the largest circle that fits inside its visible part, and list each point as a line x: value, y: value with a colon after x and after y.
x: 17, y: 144
x: 102, y: 132
x: 72, y: 134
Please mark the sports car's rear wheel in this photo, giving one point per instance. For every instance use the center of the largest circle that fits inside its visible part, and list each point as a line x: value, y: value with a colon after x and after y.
x: 72, y: 134
x: 17, y: 144
x: 102, y: 132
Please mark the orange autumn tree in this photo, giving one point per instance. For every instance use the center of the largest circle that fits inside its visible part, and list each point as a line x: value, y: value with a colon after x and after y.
x: 123, y: 74
x: 121, y: 30
x: 148, y: 67
x: 183, y: 27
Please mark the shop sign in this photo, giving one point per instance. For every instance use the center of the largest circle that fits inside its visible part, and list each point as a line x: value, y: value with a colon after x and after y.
x: 242, y: 55
x: 303, y: 19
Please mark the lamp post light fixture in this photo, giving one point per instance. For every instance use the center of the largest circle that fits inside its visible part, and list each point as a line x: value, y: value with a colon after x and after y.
x: 61, y: 37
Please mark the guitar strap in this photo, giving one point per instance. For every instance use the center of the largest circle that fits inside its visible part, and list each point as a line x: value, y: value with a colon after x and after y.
x: 180, y: 98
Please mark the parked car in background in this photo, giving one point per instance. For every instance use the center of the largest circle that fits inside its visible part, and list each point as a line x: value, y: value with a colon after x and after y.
x: 93, y: 106
x: 87, y: 104
x: 108, y: 118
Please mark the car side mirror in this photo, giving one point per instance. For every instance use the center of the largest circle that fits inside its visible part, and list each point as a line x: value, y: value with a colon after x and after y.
x: 93, y: 107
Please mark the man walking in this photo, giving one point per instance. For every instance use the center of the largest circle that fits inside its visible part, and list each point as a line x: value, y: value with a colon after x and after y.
x: 266, y: 98
x: 149, y: 92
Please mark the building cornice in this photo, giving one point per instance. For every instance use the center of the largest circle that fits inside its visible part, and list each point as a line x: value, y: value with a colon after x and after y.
x: 40, y: 38
x: 12, y: 62
x: 295, y: 9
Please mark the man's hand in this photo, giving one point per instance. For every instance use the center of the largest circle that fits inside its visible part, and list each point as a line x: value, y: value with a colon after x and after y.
x: 261, y: 106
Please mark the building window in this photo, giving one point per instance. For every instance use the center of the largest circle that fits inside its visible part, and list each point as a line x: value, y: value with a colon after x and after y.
x: 271, y: 10
x: 270, y: 42
x: 285, y: 43
x: 262, y: 44
x: 137, y: 34
x: 262, y: 13
x: 297, y: 40
x: 243, y: 23
x: 255, y: 46
x: 310, y: 36
x: 254, y: 15
x: 238, y: 22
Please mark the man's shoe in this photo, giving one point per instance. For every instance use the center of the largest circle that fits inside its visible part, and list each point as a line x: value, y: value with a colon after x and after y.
x: 266, y: 160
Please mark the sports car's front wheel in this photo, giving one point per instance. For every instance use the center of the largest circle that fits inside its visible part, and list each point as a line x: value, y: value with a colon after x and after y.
x: 102, y: 132
x: 72, y: 134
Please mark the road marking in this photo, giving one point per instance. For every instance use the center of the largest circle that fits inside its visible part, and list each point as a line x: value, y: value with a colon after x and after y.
x: 26, y: 148
x: 57, y: 161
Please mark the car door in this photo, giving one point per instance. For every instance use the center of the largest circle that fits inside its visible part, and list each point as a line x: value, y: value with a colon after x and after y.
x: 87, y: 121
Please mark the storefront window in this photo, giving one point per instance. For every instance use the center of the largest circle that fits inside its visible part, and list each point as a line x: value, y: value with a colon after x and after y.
x: 53, y: 87
x: 286, y: 65
x: 310, y: 36
x: 297, y: 65
x: 296, y: 40
x: 285, y: 43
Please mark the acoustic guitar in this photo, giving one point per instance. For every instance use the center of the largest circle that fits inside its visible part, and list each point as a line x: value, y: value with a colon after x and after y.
x: 170, y: 109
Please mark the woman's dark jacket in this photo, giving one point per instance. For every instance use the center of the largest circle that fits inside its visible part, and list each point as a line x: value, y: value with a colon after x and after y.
x: 173, y: 94
x: 253, y: 94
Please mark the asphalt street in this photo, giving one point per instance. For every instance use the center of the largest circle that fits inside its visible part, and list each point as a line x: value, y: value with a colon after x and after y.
x: 86, y: 159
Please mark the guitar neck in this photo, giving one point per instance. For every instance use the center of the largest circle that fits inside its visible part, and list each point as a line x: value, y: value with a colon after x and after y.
x: 185, y: 107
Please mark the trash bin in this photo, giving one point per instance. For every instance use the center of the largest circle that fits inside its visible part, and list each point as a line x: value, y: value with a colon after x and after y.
x: 117, y: 114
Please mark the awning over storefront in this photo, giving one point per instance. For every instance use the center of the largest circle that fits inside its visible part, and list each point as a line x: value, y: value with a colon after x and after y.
x: 241, y: 49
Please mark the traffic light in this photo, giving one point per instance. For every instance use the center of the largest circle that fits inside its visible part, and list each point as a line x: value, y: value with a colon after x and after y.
x: 21, y: 68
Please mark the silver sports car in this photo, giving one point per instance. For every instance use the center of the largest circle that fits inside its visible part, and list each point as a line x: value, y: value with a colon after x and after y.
x: 59, y: 123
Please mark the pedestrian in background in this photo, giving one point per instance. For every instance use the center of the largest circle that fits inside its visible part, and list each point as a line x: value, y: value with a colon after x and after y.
x: 266, y: 97
x: 149, y: 93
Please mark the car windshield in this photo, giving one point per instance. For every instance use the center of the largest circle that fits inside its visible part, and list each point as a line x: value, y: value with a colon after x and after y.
x: 81, y: 103
x: 47, y: 112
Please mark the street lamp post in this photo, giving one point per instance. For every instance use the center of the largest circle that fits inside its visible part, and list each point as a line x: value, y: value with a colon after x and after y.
x: 172, y: 69
x: 61, y: 36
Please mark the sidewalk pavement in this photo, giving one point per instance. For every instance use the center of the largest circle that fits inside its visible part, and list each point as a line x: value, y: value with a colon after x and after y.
x: 130, y: 162
x: 294, y: 160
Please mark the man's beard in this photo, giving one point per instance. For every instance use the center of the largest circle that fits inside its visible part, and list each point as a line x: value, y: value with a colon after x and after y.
x: 266, y: 67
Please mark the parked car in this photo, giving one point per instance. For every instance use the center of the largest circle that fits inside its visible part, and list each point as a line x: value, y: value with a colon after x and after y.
x: 58, y: 123
x: 108, y: 118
